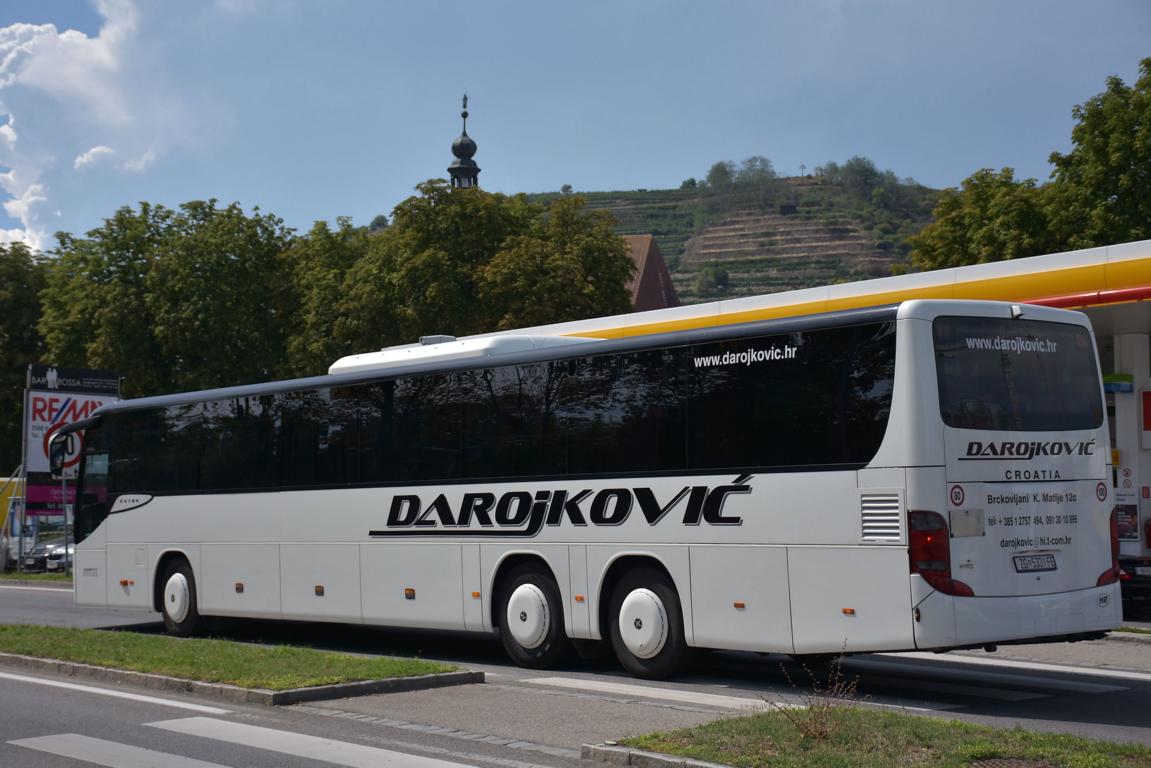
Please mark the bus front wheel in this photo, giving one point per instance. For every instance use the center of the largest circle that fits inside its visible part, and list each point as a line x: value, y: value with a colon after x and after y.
x: 178, y: 600
x: 646, y: 625
x: 532, y: 622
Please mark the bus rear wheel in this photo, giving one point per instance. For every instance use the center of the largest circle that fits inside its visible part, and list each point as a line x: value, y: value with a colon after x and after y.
x: 532, y: 619
x: 178, y: 600
x: 646, y: 625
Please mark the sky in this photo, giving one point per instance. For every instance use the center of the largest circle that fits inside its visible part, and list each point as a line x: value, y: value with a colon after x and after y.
x: 313, y: 109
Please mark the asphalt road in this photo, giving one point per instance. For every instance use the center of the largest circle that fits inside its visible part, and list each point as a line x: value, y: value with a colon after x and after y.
x: 523, y: 718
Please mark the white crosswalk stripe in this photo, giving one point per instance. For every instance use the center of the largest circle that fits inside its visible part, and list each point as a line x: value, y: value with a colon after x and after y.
x: 676, y: 695
x: 299, y: 744
x: 329, y: 751
x: 109, y: 753
x: 204, y: 708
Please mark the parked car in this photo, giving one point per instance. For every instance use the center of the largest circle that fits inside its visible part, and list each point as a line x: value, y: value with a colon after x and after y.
x: 36, y: 559
x: 1136, y: 585
x: 59, y: 558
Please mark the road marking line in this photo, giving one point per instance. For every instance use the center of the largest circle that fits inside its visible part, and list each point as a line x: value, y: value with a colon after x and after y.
x: 933, y: 706
x: 652, y: 692
x: 1028, y: 665
x: 299, y: 744
x: 108, y: 753
x: 62, y: 590
x: 116, y: 694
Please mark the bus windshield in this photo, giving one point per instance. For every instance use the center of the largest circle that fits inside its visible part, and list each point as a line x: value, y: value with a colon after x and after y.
x: 1016, y: 375
x: 92, y: 502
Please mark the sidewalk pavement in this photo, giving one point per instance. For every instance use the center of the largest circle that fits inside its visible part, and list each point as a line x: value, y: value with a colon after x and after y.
x: 1126, y: 651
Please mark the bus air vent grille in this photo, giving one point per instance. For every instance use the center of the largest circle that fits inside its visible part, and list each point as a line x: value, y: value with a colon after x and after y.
x: 882, y: 517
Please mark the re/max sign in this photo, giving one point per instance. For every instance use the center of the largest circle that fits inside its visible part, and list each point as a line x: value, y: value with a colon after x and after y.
x: 524, y: 513
x: 63, y: 409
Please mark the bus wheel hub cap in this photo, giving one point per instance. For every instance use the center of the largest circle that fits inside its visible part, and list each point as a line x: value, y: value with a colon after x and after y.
x: 528, y: 618
x: 176, y: 597
x: 643, y: 623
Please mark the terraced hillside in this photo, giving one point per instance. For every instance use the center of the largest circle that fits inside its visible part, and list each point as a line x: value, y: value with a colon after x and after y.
x: 672, y: 216
x: 749, y: 253
x: 740, y: 242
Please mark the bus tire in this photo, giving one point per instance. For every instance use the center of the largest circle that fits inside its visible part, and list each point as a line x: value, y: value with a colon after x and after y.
x: 178, y: 600
x: 646, y: 625
x: 532, y: 618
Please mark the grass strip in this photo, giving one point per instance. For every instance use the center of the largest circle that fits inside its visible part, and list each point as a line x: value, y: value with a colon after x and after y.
x: 866, y: 738
x: 1135, y: 630
x: 275, y: 667
x: 22, y: 576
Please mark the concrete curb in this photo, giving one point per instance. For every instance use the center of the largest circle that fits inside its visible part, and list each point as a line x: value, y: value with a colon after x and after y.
x: 1129, y: 637
x: 235, y: 694
x: 613, y: 755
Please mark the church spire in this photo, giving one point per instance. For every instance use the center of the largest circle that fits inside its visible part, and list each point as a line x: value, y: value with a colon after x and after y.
x: 464, y: 171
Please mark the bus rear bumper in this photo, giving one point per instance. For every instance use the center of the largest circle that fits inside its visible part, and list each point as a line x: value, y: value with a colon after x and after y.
x: 946, y: 621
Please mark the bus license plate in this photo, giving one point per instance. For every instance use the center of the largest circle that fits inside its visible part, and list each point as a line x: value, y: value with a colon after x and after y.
x: 1032, y: 563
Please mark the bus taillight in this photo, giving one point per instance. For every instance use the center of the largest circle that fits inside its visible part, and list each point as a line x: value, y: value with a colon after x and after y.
x: 930, y: 553
x: 1114, y: 573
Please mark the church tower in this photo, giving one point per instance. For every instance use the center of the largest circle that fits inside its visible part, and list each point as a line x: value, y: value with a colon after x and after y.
x: 464, y: 171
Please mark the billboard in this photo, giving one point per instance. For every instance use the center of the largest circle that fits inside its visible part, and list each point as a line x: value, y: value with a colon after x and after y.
x: 54, y: 397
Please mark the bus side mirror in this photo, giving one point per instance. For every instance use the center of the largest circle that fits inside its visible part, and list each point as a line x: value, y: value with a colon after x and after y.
x: 58, y: 449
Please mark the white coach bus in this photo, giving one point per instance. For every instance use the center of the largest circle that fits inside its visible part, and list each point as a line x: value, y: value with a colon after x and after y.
x: 930, y: 475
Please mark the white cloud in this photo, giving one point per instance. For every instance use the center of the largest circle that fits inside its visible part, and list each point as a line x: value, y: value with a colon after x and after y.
x: 93, y: 156
x: 8, y: 131
x: 26, y: 198
x: 15, y: 236
x: 143, y: 162
x: 71, y: 67
x: 77, y: 96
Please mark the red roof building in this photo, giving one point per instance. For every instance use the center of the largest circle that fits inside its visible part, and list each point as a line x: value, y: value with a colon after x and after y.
x: 651, y: 286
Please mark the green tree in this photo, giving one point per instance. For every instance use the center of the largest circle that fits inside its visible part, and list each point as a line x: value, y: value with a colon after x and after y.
x: 419, y: 276
x: 721, y: 175
x: 1100, y: 191
x: 755, y: 170
x: 219, y: 297
x: 860, y: 177
x: 570, y: 266
x: 756, y: 182
x: 172, y: 300
x: 1102, y: 187
x: 319, y: 263
x: 992, y: 217
x: 465, y: 261
x: 830, y: 172
x: 712, y: 281
x: 96, y: 312
x: 21, y: 282
x: 900, y: 197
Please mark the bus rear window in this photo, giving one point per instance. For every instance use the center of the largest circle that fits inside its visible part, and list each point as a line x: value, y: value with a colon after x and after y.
x: 1016, y: 375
